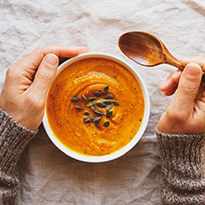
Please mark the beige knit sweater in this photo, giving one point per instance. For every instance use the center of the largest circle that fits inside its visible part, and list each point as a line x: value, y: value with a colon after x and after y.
x: 183, y: 179
x: 13, y: 140
x: 183, y: 174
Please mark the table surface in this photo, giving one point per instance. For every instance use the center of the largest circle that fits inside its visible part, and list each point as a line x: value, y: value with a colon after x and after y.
x: 47, y: 175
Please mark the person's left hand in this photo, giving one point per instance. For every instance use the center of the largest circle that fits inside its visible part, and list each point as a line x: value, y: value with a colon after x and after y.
x: 27, y: 82
x: 186, y: 113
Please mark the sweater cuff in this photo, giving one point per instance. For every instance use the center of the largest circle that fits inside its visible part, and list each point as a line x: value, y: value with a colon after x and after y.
x: 13, y: 139
x: 183, y: 178
x: 181, y: 154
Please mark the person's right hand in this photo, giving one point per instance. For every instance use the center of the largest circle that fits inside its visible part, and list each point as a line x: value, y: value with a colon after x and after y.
x: 27, y: 82
x: 186, y: 113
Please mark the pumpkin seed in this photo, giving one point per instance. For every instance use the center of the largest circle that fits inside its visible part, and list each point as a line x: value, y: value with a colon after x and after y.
x: 90, y: 103
x: 107, y: 101
x: 79, y: 107
x: 93, y: 107
x: 86, y: 113
x: 115, y: 102
x: 97, y: 118
x: 75, y: 99
x: 97, y: 93
x: 92, y: 98
x: 99, y: 112
x: 88, y: 119
x: 109, y: 96
x: 85, y: 98
x: 105, y: 89
x: 97, y: 124
x: 100, y: 104
x: 109, y: 114
x: 109, y: 107
x: 106, y: 124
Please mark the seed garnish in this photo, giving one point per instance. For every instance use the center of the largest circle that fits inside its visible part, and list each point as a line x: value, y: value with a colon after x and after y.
x: 107, y: 101
x: 93, y: 107
x: 88, y: 119
x: 109, y: 96
x: 75, y: 99
x: 109, y: 107
x: 91, y: 104
x: 109, y: 114
x: 106, y: 124
x: 105, y: 104
x: 99, y: 112
x: 97, y: 93
x: 79, y: 107
x: 100, y: 104
x: 115, y: 102
x: 84, y: 97
x: 86, y: 113
x: 105, y: 89
x: 97, y: 118
x: 91, y: 99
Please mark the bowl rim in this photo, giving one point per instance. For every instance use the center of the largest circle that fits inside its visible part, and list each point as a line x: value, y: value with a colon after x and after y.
x: 132, y: 143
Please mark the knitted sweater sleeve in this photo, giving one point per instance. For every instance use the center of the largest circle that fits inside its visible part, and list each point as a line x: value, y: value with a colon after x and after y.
x: 13, y: 140
x: 183, y: 177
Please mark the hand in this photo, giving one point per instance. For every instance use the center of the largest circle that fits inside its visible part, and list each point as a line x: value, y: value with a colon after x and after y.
x: 186, y: 113
x: 27, y: 82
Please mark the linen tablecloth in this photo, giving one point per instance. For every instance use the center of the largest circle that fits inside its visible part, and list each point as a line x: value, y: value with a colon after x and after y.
x: 47, y: 175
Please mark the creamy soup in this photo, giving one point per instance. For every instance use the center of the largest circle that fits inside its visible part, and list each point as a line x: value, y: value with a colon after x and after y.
x: 95, y: 107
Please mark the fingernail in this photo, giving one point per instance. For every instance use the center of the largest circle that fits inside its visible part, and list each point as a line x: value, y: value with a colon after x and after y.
x: 163, y: 84
x: 192, y: 71
x: 83, y: 49
x: 51, y: 59
x: 166, y: 82
x: 176, y: 75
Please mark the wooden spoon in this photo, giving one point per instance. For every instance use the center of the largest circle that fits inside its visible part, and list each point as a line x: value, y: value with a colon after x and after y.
x: 147, y: 50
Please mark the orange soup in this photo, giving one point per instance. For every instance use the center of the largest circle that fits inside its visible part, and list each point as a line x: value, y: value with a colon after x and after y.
x: 95, y: 107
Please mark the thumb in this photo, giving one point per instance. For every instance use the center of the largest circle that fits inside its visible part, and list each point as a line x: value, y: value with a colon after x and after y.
x: 188, y: 88
x: 45, y: 75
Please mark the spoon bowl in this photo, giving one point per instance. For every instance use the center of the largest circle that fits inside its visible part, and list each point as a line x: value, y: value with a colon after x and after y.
x: 146, y: 49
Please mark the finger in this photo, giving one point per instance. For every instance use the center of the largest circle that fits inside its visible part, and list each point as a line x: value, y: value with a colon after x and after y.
x: 33, y: 60
x: 188, y: 88
x: 171, y: 91
x: 168, y: 85
x: 44, y: 76
x: 176, y: 76
x: 196, y: 59
x: 171, y: 82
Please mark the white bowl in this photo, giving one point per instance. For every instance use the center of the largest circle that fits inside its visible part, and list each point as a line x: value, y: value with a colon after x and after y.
x: 132, y: 143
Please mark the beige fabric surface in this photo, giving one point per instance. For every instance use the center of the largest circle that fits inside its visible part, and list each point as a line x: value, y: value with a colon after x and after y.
x: 47, y: 175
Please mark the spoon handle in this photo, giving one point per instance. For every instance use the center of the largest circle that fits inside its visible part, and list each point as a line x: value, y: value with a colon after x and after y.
x: 177, y: 64
x: 170, y: 59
